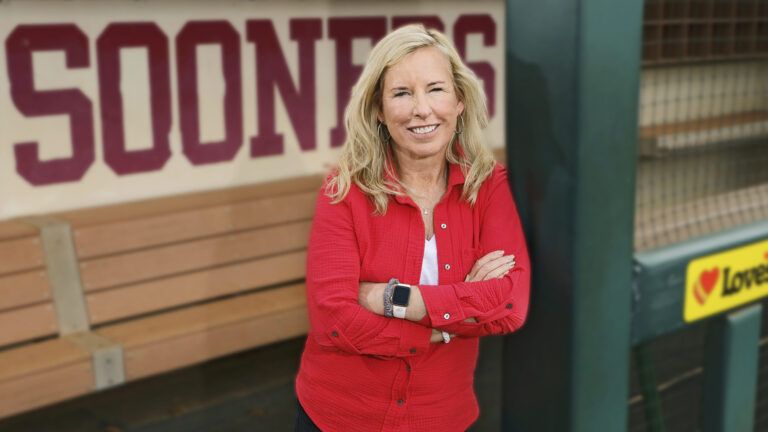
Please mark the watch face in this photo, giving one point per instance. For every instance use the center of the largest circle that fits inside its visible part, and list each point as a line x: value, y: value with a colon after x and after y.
x: 400, y: 295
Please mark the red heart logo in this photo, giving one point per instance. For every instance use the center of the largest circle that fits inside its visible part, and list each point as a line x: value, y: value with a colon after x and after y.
x: 708, y: 279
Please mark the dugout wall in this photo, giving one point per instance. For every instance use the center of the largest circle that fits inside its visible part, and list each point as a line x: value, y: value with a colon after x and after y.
x: 696, y: 89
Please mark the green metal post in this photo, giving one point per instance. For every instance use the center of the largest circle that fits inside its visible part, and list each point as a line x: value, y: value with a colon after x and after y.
x: 731, y: 366
x: 572, y: 93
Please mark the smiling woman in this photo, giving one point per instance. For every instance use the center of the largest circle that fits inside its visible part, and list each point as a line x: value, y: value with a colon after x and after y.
x: 416, y: 250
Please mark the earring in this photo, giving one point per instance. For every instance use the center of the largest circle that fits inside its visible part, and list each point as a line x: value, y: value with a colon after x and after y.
x: 385, y: 136
x: 459, y: 126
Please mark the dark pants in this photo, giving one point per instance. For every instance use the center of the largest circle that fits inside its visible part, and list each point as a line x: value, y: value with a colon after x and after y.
x: 303, y: 422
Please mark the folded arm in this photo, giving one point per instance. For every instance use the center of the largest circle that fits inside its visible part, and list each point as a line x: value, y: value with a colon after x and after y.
x: 337, y: 320
x: 494, y: 297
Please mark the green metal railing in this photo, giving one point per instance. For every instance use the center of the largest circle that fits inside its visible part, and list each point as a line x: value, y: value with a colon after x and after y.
x: 731, y: 351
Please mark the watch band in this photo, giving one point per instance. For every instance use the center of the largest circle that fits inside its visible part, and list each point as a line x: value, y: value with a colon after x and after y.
x: 388, y: 290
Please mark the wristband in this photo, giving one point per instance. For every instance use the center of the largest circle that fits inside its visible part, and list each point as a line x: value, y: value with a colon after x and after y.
x: 388, y: 290
x: 446, y: 337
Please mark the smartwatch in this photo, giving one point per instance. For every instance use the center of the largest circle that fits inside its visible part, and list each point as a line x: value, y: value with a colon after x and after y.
x: 400, y: 296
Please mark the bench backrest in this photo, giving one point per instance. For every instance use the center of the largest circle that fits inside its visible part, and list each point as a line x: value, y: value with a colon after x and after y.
x: 141, y: 258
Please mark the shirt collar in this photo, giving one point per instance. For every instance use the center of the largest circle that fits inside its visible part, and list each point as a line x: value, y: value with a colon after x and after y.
x: 455, y: 175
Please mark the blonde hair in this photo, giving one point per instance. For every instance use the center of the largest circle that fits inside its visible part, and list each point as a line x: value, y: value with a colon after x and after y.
x: 363, y: 158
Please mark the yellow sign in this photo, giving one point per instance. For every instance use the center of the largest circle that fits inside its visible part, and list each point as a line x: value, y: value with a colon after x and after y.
x: 725, y: 280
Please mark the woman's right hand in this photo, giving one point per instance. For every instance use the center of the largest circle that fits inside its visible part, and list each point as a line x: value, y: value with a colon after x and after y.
x: 437, y: 336
x: 492, y: 266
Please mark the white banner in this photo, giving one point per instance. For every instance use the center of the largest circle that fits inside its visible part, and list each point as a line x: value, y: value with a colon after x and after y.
x: 112, y: 101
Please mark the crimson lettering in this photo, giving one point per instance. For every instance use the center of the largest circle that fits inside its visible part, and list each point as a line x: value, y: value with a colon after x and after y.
x: 486, y: 26
x: 343, y: 31
x: 272, y: 72
x: 189, y: 38
x: 429, y: 21
x: 19, y: 46
x: 149, y: 36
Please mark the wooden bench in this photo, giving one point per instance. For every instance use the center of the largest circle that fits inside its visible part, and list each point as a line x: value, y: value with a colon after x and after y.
x: 663, y: 139
x: 93, y: 298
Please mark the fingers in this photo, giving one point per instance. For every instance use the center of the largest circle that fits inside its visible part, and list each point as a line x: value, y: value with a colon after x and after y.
x: 500, y: 271
x: 481, y: 262
x: 437, y: 336
x: 495, y: 268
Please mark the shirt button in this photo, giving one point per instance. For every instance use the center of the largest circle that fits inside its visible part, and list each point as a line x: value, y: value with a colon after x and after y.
x: 447, y: 316
x: 335, y: 333
x: 400, y: 401
x: 509, y: 305
x: 447, y: 266
x: 412, y: 350
x: 408, y: 368
x: 443, y: 226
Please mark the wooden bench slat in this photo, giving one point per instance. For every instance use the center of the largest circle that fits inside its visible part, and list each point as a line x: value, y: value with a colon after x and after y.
x: 20, y: 254
x: 45, y: 388
x: 167, y: 228
x: 14, y: 229
x: 194, y: 200
x: 21, y: 289
x: 728, y: 120
x: 199, y: 318
x: 110, y: 305
x: 192, y: 348
x: 39, y: 357
x: 163, y: 261
x: 17, y: 325
x: 187, y: 336
x: 664, y: 139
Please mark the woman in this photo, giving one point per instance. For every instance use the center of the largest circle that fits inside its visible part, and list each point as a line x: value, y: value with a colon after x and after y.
x: 412, y: 252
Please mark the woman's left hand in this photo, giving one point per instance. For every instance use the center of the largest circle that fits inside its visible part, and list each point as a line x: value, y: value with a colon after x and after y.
x: 491, y: 266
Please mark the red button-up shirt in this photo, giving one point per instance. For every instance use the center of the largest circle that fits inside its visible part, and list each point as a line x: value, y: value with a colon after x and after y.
x: 365, y: 372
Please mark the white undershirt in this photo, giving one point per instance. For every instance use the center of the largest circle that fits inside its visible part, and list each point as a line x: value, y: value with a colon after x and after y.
x: 429, y: 263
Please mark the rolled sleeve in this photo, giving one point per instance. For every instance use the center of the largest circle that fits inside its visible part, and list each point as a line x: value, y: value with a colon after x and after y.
x: 415, y: 341
x: 499, y: 306
x: 442, y: 304
x: 397, y: 338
